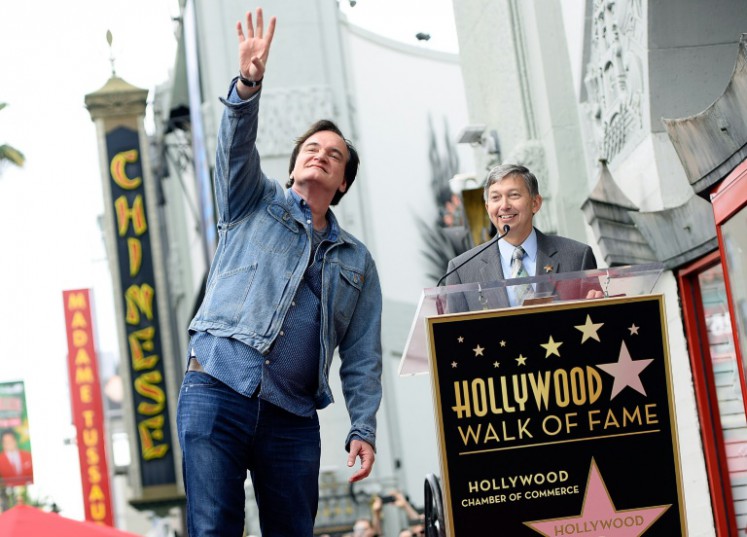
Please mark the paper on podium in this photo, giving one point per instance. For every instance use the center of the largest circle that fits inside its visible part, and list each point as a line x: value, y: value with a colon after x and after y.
x: 631, y: 280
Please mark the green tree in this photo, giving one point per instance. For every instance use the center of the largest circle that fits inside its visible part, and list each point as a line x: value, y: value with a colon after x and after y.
x: 8, y: 153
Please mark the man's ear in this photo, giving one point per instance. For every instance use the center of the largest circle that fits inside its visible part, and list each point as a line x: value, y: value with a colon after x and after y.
x: 536, y: 203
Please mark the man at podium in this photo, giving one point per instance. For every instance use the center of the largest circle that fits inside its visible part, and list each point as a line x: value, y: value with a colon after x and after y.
x: 519, y: 250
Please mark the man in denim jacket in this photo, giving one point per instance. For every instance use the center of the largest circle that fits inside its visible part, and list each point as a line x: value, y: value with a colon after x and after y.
x: 286, y: 288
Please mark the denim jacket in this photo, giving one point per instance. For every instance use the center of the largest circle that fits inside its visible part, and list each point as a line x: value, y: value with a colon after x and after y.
x: 264, y: 244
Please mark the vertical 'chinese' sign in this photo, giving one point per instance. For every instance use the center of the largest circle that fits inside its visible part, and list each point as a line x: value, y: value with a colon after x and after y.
x: 140, y: 306
x: 558, y: 420
x: 87, y: 406
x: 16, y: 464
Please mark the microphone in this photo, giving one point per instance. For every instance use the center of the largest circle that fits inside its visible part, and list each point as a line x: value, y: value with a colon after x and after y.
x: 506, y: 229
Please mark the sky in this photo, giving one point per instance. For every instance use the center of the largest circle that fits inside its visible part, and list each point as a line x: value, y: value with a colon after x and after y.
x: 51, y: 55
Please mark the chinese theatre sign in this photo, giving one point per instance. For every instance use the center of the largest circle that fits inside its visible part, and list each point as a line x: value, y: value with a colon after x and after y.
x: 87, y: 406
x: 155, y: 448
x: 558, y: 420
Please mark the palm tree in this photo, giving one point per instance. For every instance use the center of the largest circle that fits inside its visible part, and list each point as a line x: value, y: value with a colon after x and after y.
x: 9, y: 153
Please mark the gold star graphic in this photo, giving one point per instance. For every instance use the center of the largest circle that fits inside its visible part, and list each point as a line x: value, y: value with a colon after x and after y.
x: 589, y: 329
x: 453, y: 365
x: 522, y: 360
x: 496, y: 364
x: 478, y: 350
x: 503, y: 343
x: 633, y: 329
x: 460, y: 339
x: 551, y: 347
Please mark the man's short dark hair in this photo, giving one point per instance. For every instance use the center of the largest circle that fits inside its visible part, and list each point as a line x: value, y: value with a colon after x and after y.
x: 497, y: 174
x: 11, y: 432
x: 351, y: 166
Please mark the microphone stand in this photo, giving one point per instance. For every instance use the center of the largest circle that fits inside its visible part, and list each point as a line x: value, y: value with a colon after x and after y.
x: 506, y: 229
x: 439, y: 304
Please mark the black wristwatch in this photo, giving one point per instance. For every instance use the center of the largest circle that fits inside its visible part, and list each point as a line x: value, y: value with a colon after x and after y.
x: 250, y: 83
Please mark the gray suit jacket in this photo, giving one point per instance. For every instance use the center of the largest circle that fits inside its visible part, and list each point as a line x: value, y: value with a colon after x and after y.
x: 554, y: 254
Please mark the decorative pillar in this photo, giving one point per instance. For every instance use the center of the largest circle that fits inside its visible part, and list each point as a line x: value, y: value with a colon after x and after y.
x: 138, y: 266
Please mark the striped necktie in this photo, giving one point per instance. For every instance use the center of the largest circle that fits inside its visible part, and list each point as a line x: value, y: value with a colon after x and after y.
x: 518, y: 271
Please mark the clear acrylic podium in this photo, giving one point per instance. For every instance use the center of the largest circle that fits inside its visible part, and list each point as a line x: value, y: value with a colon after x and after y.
x: 632, y: 280
x: 456, y: 300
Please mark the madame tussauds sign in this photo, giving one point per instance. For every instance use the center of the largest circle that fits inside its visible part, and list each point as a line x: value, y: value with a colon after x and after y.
x: 558, y: 420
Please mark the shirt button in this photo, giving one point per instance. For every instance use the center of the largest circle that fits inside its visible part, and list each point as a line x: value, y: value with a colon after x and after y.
x: 308, y: 221
x: 267, y: 362
x: 282, y: 333
x: 293, y: 303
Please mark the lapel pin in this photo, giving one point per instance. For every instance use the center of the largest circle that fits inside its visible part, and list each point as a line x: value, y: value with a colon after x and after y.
x: 548, y: 268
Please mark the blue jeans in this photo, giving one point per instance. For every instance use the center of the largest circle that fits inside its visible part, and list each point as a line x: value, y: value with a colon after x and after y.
x: 223, y: 434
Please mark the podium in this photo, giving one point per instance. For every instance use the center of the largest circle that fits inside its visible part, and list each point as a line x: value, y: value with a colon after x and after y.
x: 555, y: 417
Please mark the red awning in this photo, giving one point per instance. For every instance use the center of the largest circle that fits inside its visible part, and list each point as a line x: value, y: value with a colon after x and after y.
x: 25, y: 521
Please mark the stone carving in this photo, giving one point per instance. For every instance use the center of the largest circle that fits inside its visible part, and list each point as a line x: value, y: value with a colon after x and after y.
x: 531, y: 154
x: 448, y: 236
x: 614, y: 75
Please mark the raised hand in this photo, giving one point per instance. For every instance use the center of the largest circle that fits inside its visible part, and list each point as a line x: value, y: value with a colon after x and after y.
x: 254, y: 47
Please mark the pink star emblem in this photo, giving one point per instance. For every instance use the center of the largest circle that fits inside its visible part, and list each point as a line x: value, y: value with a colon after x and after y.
x: 598, y: 515
x: 626, y: 372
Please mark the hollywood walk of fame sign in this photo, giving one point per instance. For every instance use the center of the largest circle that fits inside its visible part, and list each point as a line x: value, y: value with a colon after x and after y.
x: 558, y: 420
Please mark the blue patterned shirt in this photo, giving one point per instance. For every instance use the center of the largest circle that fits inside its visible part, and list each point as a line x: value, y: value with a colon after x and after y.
x: 287, y: 376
